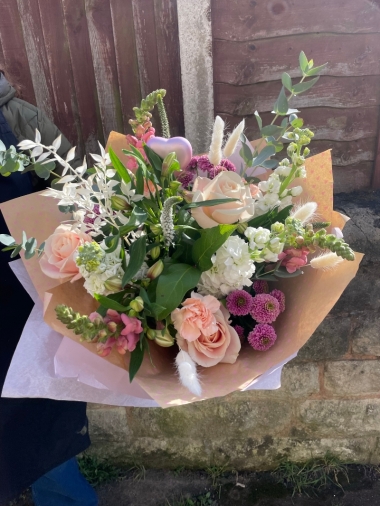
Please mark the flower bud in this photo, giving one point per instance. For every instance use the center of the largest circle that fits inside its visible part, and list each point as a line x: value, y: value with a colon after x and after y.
x: 155, y: 252
x: 167, y: 163
x: 151, y: 334
x: 156, y: 229
x: 112, y: 326
x: 242, y: 227
x: 119, y: 203
x: 300, y: 239
x: 113, y: 284
x: 132, y: 313
x: 174, y: 185
x: 137, y: 304
x: 155, y: 270
x: 165, y: 340
x: 102, y: 334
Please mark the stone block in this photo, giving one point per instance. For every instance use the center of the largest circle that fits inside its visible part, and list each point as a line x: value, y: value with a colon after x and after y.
x: 338, y: 418
x: 108, y: 424
x: 300, y: 380
x: 330, y: 341
x: 352, y: 377
x: 363, y: 293
x: 366, y: 335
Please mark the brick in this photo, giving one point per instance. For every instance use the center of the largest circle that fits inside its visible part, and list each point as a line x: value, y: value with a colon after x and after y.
x: 366, y: 336
x: 300, y: 380
x: 336, y: 418
x: 353, y: 377
x: 330, y: 340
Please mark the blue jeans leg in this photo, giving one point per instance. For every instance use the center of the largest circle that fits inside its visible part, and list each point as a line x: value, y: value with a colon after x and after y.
x: 64, y: 486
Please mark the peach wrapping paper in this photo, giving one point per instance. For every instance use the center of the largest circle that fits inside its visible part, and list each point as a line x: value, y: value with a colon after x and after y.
x: 309, y: 297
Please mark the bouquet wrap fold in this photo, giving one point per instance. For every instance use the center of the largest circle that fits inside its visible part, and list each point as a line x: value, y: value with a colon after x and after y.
x: 309, y: 297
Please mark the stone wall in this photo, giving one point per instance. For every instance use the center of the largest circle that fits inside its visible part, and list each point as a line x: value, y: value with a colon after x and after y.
x: 329, y: 400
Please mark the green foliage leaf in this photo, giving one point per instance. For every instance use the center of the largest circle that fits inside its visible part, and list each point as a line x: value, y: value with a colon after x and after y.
x: 245, y: 151
x: 137, y: 357
x: 258, y: 119
x: 283, y: 273
x: 287, y: 81
x: 6, y: 239
x: 270, y: 130
x: 315, y: 70
x: 140, y: 181
x: 109, y: 303
x: 66, y: 209
x: 119, y: 166
x: 304, y: 63
x: 137, y: 217
x: 43, y: 169
x: 154, y: 159
x: 208, y: 203
x: 306, y: 85
x: 210, y: 241
x: 297, y: 123
x: 175, y: 281
x: 30, y: 248
x: 16, y: 251
x: 112, y: 243
x: 9, y: 167
x: 264, y: 154
x: 137, y: 253
x: 281, y: 106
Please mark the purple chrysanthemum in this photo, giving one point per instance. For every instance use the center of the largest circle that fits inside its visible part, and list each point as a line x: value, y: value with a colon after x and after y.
x: 96, y: 211
x: 280, y: 296
x: 265, y: 308
x: 204, y: 163
x: 240, y: 332
x: 262, y: 337
x: 217, y: 169
x: 185, y: 178
x: 193, y: 164
x: 261, y: 286
x: 239, y: 302
x: 228, y: 165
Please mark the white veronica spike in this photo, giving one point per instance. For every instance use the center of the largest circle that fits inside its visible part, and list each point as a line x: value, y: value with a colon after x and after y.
x: 215, y: 154
x: 233, y: 139
x: 187, y: 371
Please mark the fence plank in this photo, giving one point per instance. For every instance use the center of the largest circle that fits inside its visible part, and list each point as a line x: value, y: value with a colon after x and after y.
x: 58, y: 58
x: 265, y: 60
x: 14, y: 52
x: 83, y: 73
x: 352, y: 177
x: 325, y: 122
x: 363, y: 91
x: 347, y: 153
x: 126, y: 57
x: 254, y: 19
x: 169, y: 62
x: 38, y: 64
x: 104, y: 61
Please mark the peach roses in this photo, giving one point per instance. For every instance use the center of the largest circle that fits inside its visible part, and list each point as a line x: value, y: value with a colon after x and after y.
x: 60, y: 249
x: 203, y: 331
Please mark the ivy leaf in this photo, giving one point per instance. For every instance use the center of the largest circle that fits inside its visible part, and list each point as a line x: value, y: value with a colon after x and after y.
x: 175, y: 281
x: 137, y: 253
x: 210, y: 241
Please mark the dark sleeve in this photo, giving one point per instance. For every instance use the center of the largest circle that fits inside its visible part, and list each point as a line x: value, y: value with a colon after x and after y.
x: 49, y: 132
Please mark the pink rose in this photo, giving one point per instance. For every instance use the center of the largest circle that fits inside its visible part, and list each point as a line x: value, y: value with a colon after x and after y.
x: 58, y: 260
x: 293, y: 259
x: 203, y: 331
x: 225, y: 185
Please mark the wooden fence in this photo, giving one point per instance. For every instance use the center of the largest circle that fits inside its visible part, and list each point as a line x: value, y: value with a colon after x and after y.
x: 86, y: 63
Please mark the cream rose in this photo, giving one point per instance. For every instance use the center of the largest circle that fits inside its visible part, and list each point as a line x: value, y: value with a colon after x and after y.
x: 58, y: 260
x: 204, y: 333
x: 224, y: 185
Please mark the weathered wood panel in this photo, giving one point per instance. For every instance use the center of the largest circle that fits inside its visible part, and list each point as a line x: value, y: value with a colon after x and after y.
x: 169, y: 62
x: 58, y: 58
x: 353, y: 177
x: 255, y: 19
x: 15, y: 59
x: 325, y: 122
x: 38, y: 64
x: 104, y: 61
x: 265, y: 60
x: 363, y: 91
x: 83, y: 74
x: 126, y: 57
x: 347, y: 153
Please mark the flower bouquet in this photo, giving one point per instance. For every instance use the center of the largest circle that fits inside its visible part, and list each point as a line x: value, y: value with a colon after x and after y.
x: 195, y: 273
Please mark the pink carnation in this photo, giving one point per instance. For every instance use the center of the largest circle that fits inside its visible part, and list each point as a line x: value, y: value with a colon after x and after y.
x: 185, y: 178
x: 228, y: 165
x: 280, y: 296
x: 293, y: 259
x: 204, y: 163
x: 261, y: 286
x: 262, y: 337
x: 193, y: 164
x: 239, y: 302
x: 265, y: 308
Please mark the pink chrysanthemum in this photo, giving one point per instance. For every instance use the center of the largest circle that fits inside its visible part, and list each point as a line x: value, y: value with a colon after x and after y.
x: 280, y: 296
x: 228, y: 165
x: 261, y: 286
x: 240, y: 332
x: 193, y: 164
x: 185, y: 178
x: 239, y: 302
x: 262, y: 337
x: 217, y: 169
x: 265, y: 308
x: 204, y: 163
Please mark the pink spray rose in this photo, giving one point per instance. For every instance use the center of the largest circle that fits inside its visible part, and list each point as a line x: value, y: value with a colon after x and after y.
x: 293, y: 259
x: 58, y: 260
x: 203, y: 331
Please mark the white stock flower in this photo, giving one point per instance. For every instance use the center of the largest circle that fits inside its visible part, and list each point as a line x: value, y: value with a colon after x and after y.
x: 232, y: 269
x: 258, y: 237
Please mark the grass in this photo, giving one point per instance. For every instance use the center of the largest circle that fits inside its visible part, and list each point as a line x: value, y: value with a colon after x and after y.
x: 202, y: 500
x: 215, y: 472
x: 138, y: 471
x: 315, y: 474
x: 97, y: 472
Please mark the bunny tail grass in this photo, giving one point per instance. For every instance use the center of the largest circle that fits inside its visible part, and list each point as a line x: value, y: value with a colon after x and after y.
x: 187, y: 371
x: 233, y: 139
x: 215, y: 154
